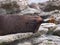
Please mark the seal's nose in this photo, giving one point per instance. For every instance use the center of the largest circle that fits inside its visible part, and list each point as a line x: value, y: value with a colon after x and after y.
x: 39, y: 19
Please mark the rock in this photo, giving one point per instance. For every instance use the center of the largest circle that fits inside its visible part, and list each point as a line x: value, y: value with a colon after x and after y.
x: 57, y: 31
x: 50, y: 26
x: 34, y: 5
x: 42, y: 30
x: 49, y: 40
x: 58, y: 20
x: 46, y: 42
x: 2, y: 11
x: 22, y: 3
x: 44, y: 15
x: 40, y: 40
x: 42, y: 5
x: 29, y: 11
x: 25, y: 43
x: 50, y: 6
x: 13, y: 37
x: 10, y: 7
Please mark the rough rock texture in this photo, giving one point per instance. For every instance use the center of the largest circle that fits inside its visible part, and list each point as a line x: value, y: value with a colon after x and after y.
x: 50, y: 26
x: 51, y: 5
x: 41, y: 40
x: 57, y: 30
x: 50, y: 40
x: 34, y: 5
x: 29, y: 11
x: 13, y: 6
x: 2, y: 11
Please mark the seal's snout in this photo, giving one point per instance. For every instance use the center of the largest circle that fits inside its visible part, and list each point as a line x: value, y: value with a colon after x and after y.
x: 39, y: 19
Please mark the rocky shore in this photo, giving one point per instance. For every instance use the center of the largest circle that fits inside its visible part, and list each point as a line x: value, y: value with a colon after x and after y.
x: 47, y: 34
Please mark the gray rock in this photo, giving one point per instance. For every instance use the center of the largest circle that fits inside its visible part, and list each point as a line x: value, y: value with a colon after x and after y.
x: 50, y: 26
x: 12, y: 7
x: 29, y: 11
x: 46, y: 42
x: 34, y: 5
x: 50, y: 40
x: 51, y: 5
x: 57, y: 31
x: 13, y: 37
x: 25, y: 43
x: 58, y: 19
x: 42, y: 30
x: 2, y: 11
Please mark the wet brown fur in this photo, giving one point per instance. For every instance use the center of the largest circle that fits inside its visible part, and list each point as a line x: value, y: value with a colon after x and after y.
x: 11, y: 24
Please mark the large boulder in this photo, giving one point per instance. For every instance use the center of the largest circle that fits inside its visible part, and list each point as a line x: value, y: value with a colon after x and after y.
x: 7, y: 39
